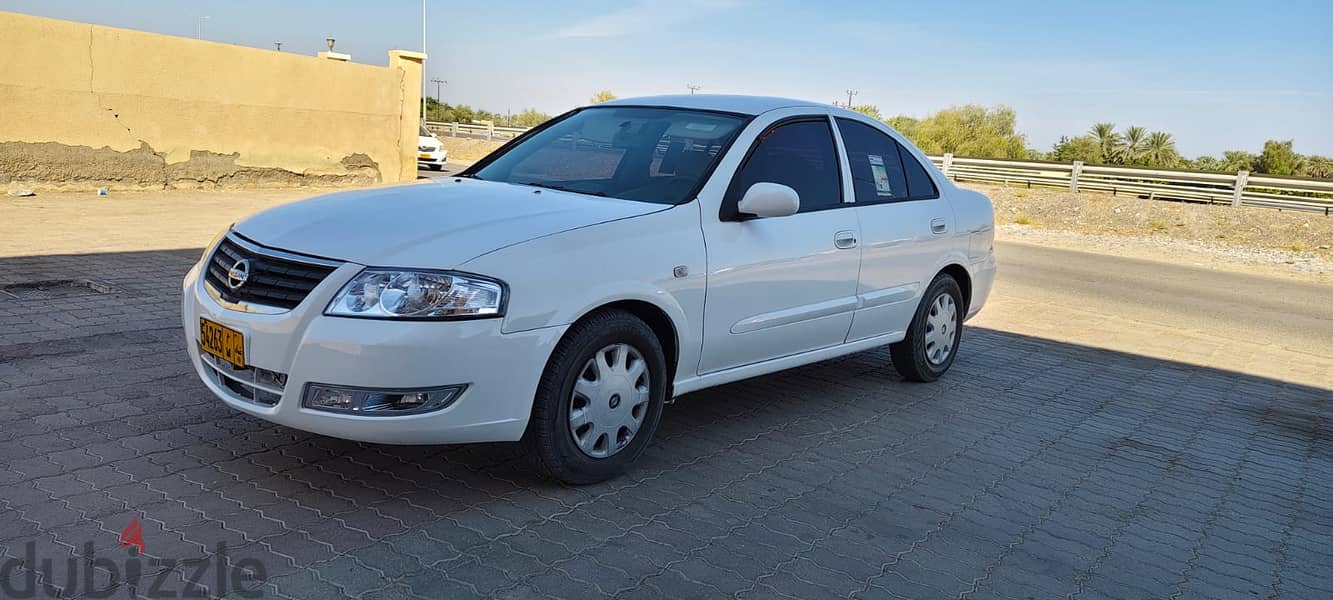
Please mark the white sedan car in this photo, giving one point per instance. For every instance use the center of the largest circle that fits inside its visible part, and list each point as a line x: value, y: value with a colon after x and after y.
x: 563, y: 289
x: 430, y: 151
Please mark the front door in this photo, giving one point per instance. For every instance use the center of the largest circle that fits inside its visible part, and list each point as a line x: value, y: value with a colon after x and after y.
x: 783, y: 285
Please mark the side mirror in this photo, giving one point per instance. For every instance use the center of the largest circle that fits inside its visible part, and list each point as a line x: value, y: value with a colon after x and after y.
x: 765, y: 199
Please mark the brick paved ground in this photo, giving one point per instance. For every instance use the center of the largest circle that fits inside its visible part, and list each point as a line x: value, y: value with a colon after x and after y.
x: 1038, y: 468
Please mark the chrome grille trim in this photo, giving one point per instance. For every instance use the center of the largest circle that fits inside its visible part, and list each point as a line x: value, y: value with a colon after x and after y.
x: 276, y: 281
x: 243, y: 383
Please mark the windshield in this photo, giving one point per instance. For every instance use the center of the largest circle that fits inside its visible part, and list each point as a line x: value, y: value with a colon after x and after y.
x: 648, y: 154
x: 425, y: 132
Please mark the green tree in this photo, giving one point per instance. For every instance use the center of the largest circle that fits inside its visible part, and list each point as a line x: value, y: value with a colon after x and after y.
x: 974, y: 131
x: 1207, y: 163
x: 1238, y: 160
x: 1107, y: 141
x: 1278, y: 158
x: 530, y: 117
x: 1132, y: 145
x: 1319, y: 167
x: 1084, y: 147
x: 602, y: 96
x: 1159, y: 150
x: 869, y: 110
x: 905, y: 125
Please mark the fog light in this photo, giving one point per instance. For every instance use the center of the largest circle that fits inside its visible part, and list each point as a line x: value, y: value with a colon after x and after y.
x: 378, y: 402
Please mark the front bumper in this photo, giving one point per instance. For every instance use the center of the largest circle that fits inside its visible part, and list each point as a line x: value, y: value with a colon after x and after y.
x: 433, y: 158
x: 500, y: 370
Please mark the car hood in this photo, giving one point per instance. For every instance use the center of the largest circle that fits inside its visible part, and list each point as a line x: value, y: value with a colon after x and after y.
x: 436, y: 225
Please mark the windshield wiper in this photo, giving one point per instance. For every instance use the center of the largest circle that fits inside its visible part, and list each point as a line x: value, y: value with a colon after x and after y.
x: 564, y: 189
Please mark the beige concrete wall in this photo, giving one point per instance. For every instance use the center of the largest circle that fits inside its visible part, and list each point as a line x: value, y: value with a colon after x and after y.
x: 88, y: 106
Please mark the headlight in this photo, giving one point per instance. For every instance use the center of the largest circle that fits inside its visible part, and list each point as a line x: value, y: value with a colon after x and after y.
x: 394, y: 294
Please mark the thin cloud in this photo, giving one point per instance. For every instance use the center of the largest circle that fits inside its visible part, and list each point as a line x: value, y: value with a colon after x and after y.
x: 645, y: 16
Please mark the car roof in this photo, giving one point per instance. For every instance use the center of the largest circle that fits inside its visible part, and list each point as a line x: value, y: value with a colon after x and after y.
x: 746, y: 105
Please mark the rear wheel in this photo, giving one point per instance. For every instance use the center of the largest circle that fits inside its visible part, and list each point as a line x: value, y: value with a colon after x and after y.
x: 599, y: 400
x: 933, y: 336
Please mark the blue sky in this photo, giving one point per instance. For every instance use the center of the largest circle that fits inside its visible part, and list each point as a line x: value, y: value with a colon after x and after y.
x: 1219, y: 75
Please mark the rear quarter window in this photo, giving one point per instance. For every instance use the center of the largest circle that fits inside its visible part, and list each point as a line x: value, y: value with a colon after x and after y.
x: 920, y: 186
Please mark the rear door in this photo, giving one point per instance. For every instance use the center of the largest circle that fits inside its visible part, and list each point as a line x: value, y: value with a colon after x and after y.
x: 783, y: 285
x: 905, y: 228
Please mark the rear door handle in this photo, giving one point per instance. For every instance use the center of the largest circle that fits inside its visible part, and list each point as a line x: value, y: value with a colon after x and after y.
x: 938, y: 226
x: 845, y: 239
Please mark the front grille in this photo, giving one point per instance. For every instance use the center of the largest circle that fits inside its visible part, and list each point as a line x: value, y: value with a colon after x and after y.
x: 277, y: 279
x: 252, y: 384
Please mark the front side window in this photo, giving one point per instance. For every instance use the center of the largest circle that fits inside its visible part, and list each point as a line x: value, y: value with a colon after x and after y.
x: 877, y: 169
x: 800, y: 155
x: 655, y: 155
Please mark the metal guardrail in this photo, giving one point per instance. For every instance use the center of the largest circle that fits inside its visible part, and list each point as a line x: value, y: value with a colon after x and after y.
x: 1241, y: 189
x: 481, y: 129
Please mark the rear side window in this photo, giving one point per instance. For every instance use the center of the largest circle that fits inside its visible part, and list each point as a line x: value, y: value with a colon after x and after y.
x: 798, y: 154
x: 919, y: 183
x: 877, y: 170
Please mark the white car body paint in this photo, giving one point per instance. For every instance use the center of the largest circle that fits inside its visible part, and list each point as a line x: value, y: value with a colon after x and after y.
x: 431, y: 152
x: 744, y: 298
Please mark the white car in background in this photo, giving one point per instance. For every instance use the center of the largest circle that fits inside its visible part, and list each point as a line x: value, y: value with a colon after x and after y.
x: 430, y: 150
x: 561, y: 290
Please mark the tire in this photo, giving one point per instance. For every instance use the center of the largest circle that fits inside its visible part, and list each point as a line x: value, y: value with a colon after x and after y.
x: 564, y: 429
x: 923, y: 356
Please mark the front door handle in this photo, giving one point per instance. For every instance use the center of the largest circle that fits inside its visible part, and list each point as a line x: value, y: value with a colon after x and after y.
x: 938, y: 226
x: 845, y: 239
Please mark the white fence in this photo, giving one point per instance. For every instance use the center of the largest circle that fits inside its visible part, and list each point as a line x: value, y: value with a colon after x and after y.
x: 1240, y: 189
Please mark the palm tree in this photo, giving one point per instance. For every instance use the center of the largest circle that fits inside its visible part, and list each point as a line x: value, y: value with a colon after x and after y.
x: 1238, y: 160
x: 602, y: 96
x: 1319, y: 167
x: 1132, y: 144
x: 1160, y: 149
x: 1106, y: 138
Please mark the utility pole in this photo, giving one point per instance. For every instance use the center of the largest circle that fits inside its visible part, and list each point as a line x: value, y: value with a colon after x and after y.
x: 693, y: 88
x: 278, y: 45
x: 199, y: 31
x: 851, y: 93
x: 438, y: 83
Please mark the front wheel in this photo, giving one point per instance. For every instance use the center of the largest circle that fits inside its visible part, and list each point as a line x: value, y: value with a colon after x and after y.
x: 599, y: 400
x: 933, y: 336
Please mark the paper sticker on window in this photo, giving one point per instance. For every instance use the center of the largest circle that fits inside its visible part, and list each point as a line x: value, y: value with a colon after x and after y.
x: 882, y: 187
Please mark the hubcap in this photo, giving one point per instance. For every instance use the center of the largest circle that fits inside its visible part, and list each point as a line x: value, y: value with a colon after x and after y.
x: 610, y: 400
x: 941, y: 322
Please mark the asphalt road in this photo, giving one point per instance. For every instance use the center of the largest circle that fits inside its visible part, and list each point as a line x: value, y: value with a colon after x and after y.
x: 449, y: 169
x: 1291, y: 314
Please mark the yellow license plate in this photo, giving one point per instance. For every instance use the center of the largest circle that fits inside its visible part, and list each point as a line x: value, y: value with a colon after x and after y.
x: 222, y: 341
x: 422, y: 156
